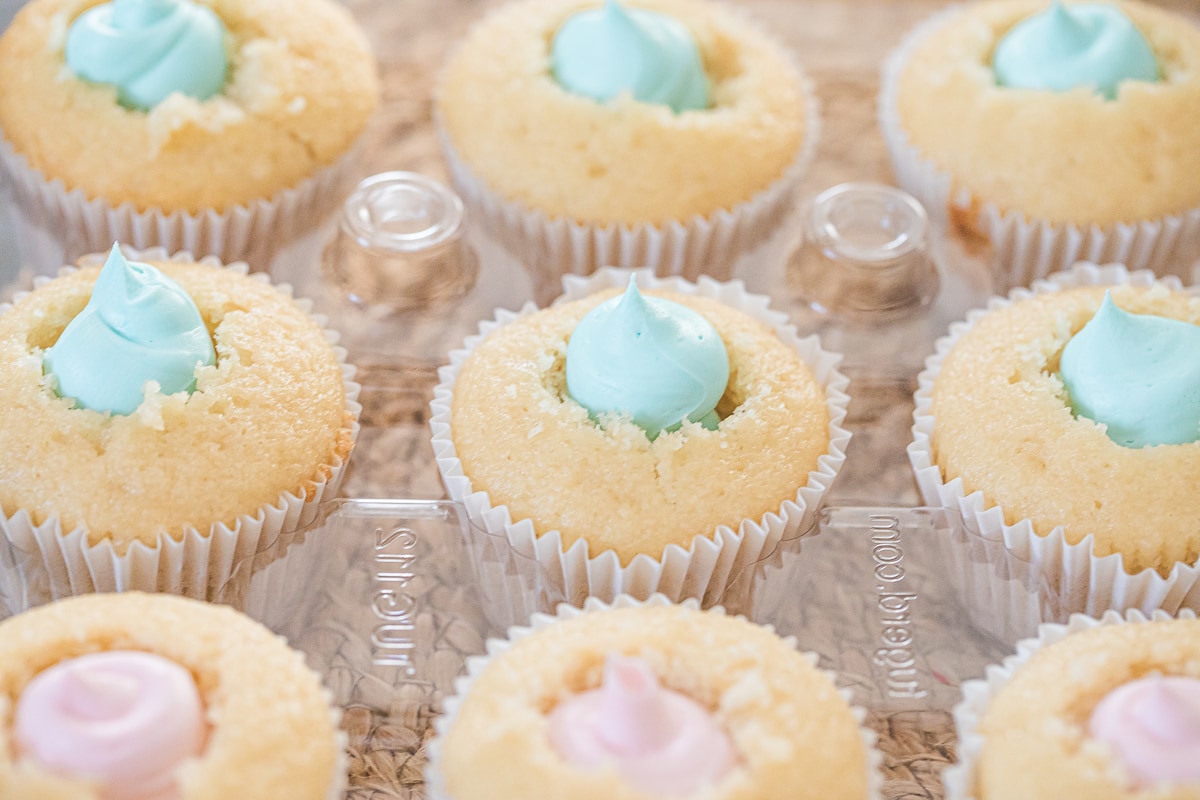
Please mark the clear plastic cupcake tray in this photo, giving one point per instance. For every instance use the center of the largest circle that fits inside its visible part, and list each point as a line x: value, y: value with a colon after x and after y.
x: 388, y: 596
x: 392, y: 588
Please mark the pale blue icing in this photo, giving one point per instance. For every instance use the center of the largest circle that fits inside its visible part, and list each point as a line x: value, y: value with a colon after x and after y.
x: 149, y: 49
x: 602, y: 52
x: 138, y: 326
x: 1138, y: 374
x: 1079, y: 45
x: 651, y: 359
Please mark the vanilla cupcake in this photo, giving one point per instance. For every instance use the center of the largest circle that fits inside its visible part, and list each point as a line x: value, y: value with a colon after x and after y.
x: 1105, y: 709
x: 649, y: 700
x: 1056, y: 133
x: 167, y: 420
x: 575, y: 162
x: 1063, y: 422
x: 231, y: 131
x: 137, y: 696
x: 638, y: 442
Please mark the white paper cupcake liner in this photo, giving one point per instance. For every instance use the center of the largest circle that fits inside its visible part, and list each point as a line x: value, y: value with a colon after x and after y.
x: 702, y: 245
x: 278, y: 592
x: 1023, y: 248
x: 435, y: 786
x: 1000, y: 592
x: 512, y: 586
x: 700, y: 571
x: 1027, y: 576
x: 250, y: 232
x: 58, y: 563
x: 959, y: 779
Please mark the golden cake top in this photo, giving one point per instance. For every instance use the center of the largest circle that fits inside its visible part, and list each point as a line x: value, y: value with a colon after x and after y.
x: 1070, y: 156
x: 269, y: 417
x: 301, y: 85
x: 621, y: 161
x: 524, y: 441
x: 793, y: 734
x: 270, y: 727
x: 1040, y: 739
x: 1003, y: 423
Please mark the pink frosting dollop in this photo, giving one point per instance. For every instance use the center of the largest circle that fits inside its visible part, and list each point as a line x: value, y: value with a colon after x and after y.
x: 123, y: 720
x: 1154, y: 725
x: 658, y: 740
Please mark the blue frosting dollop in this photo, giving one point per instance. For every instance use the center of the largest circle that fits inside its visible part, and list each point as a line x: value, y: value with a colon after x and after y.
x: 1078, y: 45
x: 1138, y: 374
x: 601, y: 52
x: 652, y: 359
x: 138, y: 326
x: 149, y: 49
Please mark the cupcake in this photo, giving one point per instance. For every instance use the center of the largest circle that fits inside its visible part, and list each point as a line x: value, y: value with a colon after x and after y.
x: 649, y: 700
x: 1063, y: 422
x: 669, y: 133
x: 165, y: 420
x: 655, y: 439
x: 231, y: 131
x: 1105, y: 709
x: 134, y: 696
x: 1091, y: 105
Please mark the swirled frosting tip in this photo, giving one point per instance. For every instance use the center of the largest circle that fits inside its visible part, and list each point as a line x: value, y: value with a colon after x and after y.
x: 601, y: 52
x: 659, y: 741
x: 1138, y: 374
x: 124, y: 720
x: 652, y: 359
x: 149, y: 49
x: 1153, y: 723
x: 138, y: 326
x: 1067, y: 46
x: 637, y: 721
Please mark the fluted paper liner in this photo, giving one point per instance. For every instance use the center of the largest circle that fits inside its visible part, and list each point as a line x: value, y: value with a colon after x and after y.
x: 250, y: 231
x: 512, y: 586
x: 959, y: 778
x: 701, y: 571
x: 705, y: 244
x: 1081, y: 581
x: 199, y: 564
x: 1025, y: 248
x: 435, y: 785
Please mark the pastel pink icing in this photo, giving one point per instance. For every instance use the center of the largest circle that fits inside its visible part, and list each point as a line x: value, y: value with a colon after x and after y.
x: 1154, y: 725
x: 658, y: 740
x: 124, y: 720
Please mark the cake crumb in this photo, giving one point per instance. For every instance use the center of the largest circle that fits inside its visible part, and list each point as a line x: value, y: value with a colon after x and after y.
x: 149, y: 413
